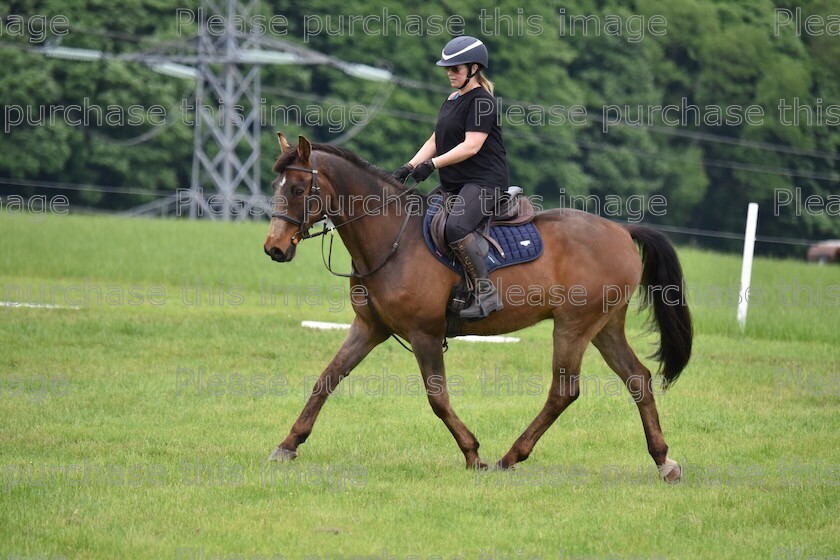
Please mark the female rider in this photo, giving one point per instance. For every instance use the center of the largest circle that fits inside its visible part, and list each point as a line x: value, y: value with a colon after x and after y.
x: 467, y: 149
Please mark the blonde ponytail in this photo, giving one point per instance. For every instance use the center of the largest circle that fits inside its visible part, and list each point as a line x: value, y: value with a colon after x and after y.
x: 484, y: 82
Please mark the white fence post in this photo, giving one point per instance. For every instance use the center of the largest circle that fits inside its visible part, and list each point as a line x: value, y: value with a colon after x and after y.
x: 746, y: 265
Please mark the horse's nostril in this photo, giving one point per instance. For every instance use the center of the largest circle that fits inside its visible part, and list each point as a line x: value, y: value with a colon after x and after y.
x: 276, y: 254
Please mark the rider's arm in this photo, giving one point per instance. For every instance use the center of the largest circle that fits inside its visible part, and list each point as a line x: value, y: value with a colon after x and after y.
x: 427, y: 152
x: 473, y: 141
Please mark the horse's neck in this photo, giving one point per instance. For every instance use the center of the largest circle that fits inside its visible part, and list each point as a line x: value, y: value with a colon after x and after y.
x: 368, y: 238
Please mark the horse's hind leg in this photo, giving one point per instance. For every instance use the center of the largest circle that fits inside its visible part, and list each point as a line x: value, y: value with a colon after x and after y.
x: 429, y: 353
x: 565, y: 380
x: 612, y: 343
x: 363, y: 337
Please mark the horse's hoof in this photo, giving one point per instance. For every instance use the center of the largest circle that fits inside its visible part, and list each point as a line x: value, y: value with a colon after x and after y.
x: 501, y: 466
x: 282, y: 455
x: 675, y: 476
x: 478, y: 465
x: 670, y: 471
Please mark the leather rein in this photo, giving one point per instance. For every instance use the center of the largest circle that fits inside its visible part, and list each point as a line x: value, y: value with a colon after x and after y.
x: 303, y: 231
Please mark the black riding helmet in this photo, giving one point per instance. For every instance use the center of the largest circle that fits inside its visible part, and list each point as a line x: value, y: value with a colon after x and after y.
x: 464, y: 50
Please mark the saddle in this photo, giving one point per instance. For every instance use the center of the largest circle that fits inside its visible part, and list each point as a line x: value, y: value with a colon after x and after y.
x: 510, y: 232
x: 511, y: 210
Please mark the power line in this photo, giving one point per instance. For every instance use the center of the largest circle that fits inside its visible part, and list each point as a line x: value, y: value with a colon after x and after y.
x: 79, y: 187
x: 701, y: 136
x: 732, y: 235
x: 149, y: 134
x: 375, y: 107
x: 303, y: 52
x: 415, y: 84
x: 724, y: 164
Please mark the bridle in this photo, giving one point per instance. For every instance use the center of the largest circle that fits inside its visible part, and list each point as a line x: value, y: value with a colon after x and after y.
x: 303, y: 231
x: 314, y: 190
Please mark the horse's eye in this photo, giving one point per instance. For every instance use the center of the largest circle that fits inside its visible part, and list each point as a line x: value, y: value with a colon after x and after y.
x: 298, y: 191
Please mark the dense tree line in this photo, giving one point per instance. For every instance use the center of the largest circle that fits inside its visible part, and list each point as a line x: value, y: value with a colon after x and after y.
x: 708, y: 104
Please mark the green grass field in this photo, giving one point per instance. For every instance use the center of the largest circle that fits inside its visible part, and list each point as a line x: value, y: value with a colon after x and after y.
x: 137, y: 425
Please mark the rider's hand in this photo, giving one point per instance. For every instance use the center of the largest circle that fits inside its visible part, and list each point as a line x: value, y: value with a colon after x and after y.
x: 402, y: 173
x: 422, y: 171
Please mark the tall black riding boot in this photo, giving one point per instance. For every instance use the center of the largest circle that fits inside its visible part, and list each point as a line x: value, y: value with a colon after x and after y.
x: 486, y: 297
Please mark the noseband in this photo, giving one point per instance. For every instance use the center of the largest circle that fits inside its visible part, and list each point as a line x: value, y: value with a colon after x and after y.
x: 314, y: 190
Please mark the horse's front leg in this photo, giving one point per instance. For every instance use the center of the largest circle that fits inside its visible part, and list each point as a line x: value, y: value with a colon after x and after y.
x: 429, y: 353
x: 364, y: 336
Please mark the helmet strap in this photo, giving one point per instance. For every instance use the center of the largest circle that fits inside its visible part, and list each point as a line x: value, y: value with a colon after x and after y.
x: 470, y: 75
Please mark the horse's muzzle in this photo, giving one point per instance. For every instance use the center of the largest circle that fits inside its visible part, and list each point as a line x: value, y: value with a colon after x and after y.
x: 279, y: 256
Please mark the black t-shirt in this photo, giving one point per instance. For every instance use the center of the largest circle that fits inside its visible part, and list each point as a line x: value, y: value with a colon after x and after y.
x: 475, y: 111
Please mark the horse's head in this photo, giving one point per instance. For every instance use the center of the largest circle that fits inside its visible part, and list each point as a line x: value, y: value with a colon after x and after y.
x: 296, y: 201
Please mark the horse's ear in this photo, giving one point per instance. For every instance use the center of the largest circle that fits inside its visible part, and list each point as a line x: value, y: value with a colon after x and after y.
x: 284, y: 144
x: 303, y: 148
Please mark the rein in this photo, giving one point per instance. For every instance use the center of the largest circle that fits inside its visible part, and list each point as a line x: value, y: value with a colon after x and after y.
x: 303, y: 231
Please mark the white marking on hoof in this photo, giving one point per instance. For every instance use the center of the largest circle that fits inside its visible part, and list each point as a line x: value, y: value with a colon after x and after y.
x: 667, y: 468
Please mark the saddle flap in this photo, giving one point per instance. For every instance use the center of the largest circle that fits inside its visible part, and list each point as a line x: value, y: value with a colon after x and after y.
x: 512, y: 210
x: 437, y: 228
x: 511, y: 244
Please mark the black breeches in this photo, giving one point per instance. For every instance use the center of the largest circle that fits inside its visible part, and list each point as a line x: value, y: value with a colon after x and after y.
x: 472, y: 204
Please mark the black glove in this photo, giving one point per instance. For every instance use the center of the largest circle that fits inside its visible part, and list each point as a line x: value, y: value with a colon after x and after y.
x: 402, y: 173
x: 422, y: 171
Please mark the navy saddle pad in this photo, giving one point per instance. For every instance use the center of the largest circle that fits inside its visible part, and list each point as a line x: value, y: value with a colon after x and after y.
x: 520, y: 243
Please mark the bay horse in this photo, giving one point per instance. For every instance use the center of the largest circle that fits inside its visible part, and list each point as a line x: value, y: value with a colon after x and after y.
x: 405, y: 290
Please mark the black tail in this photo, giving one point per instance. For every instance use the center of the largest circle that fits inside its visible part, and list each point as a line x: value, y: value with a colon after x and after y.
x: 663, y: 286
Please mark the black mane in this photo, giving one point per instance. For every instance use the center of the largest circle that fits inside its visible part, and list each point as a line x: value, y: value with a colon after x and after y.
x: 290, y: 157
